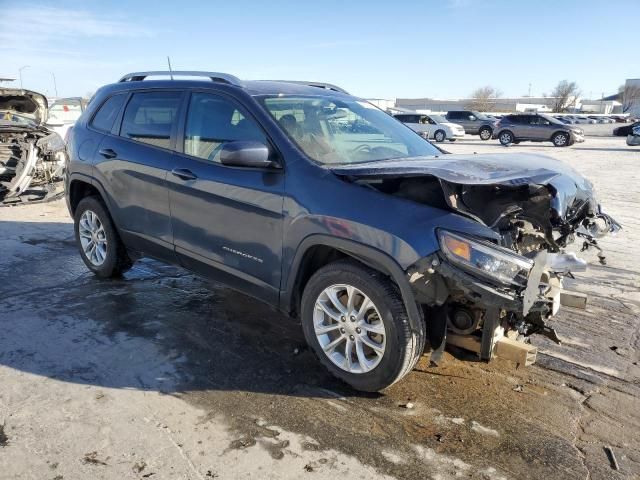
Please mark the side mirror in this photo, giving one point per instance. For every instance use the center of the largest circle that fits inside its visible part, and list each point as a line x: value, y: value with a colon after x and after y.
x: 243, y: 153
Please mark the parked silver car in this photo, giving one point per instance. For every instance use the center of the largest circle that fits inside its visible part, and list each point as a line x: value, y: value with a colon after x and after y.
x: 536, y: 127
x: 474, y: 123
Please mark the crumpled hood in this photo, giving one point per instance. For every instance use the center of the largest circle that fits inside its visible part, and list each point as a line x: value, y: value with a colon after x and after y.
x: 491, y: 169
x: 29, y: 104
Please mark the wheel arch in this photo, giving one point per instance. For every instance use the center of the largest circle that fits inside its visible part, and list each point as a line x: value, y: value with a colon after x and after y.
x: 80, y: 188
x: 318, y: 250
x: 556, y: 132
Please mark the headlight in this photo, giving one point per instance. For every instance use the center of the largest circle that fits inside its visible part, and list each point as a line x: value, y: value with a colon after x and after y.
x: 485, y: 259
x: 51, y: 143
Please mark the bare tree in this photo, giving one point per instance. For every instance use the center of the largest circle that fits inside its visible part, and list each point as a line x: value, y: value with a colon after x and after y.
x: 564, y: 96
x: 629, y: 96
x: 484, y: 99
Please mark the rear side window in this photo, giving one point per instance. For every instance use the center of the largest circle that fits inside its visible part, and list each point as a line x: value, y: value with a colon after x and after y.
x: 213, y: 121
x: 150, y: 116
x: 106, y: 115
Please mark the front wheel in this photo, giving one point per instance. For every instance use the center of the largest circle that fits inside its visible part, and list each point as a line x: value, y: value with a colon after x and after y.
x: 560, y: 139
x: 355, y: 321
x: 506, y: 138
x: 100, y: 246
x: 439, y: 136
x: 485, y: 133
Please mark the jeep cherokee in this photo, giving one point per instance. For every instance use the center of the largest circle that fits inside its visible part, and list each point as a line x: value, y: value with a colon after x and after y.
x: 315, y: 201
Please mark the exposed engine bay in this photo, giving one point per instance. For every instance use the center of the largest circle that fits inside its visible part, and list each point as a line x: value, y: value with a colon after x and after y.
x: 538, y: 206
x: 32, y: 157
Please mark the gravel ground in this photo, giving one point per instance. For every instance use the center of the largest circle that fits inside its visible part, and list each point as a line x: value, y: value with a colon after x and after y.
x: 161, y: 375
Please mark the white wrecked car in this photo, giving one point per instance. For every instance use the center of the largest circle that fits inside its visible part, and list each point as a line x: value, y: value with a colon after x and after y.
x: 32, y: 157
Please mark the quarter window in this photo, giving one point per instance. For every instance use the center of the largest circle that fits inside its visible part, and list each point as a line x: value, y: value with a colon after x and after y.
x: 213, y: 121
x: 103, y: 120
x: 150, y: 116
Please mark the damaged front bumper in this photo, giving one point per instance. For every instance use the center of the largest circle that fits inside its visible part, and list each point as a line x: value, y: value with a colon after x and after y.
x: 478, y: 314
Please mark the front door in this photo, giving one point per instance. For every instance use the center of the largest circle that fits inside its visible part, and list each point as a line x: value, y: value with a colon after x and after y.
x: 227, y: 221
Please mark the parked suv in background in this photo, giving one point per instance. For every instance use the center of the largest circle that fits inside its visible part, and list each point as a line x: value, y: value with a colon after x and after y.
x: 536, y: 127
x: 431, y: 127
x: 323, y: 205
x: 474, y: 123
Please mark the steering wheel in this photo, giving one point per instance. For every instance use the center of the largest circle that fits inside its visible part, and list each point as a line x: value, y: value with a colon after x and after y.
x: 364, y: 148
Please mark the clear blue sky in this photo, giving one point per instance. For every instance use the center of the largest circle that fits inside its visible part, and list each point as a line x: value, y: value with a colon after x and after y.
x: 382, y: 49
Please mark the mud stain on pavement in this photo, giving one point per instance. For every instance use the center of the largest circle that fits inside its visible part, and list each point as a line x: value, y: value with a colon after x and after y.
x: 4, y: 440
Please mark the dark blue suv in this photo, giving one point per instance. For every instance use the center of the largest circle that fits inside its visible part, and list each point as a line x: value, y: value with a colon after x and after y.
x: 315, y: 201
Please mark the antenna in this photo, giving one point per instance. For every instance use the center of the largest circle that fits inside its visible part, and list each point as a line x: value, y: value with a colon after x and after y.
x: 169, y: 63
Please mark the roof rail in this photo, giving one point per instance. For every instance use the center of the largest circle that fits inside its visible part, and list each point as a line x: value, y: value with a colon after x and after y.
x: 214, y: 76
x: 326, y: 86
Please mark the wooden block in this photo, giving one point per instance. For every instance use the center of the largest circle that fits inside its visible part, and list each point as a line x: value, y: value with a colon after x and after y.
x: 468, y: 342
x: 519, y: 352
x: 573, y: 299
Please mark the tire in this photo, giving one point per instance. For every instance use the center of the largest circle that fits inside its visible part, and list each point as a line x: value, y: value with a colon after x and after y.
x: 439, y: 136
x: 452, y: 139
x: 113, y: 261
x: 560, y: 139
x: 401, y: 345
x: 506, y: 138
x: 485, y: 133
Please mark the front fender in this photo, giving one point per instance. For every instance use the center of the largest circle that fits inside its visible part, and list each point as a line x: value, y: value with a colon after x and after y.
x: 367, y: 254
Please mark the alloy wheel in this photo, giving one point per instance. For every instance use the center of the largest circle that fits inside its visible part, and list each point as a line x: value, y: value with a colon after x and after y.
x: 349, y: 328
x: 560, y: 140
x: 93, y: 238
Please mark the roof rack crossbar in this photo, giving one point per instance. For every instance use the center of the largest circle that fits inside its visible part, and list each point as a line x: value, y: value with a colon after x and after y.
x: 326, y: 86
x: 214, y: 76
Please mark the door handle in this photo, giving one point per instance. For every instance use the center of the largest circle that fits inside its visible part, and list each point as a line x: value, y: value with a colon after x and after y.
x: 108, y: 153
x: 184, y: 173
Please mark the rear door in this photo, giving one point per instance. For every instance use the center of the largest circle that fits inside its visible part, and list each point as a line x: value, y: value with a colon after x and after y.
x: 227, y: 221
x: 132, y: 165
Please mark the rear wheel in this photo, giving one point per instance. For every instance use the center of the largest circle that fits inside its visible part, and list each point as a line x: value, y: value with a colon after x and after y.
x: 439, y: 136
x: 560, y: 139
x: 100, y: 246
x: 506, y: 138
x: 485, y: 133
x: 355, y: 321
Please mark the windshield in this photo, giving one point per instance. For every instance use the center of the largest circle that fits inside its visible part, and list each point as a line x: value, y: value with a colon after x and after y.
x: 438, y: 119
x: 345, y: 131
x: 64, y: 111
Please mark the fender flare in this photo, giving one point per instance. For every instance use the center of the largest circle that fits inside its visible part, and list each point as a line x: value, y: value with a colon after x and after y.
x: 368, y: 255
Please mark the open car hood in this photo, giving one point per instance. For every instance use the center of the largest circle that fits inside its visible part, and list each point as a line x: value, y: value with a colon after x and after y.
x: 509, y: 170
x: 26, y: 103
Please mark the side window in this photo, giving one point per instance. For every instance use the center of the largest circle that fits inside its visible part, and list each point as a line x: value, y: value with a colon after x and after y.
x: 103, y: 120
x: 150, y: 116
x: 213, y: 121
x: 454, y: 115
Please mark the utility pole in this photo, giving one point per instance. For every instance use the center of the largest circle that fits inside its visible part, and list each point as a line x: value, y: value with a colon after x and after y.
x: 55, y: 84
x: 20, y: 72
x: 529, y: 89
